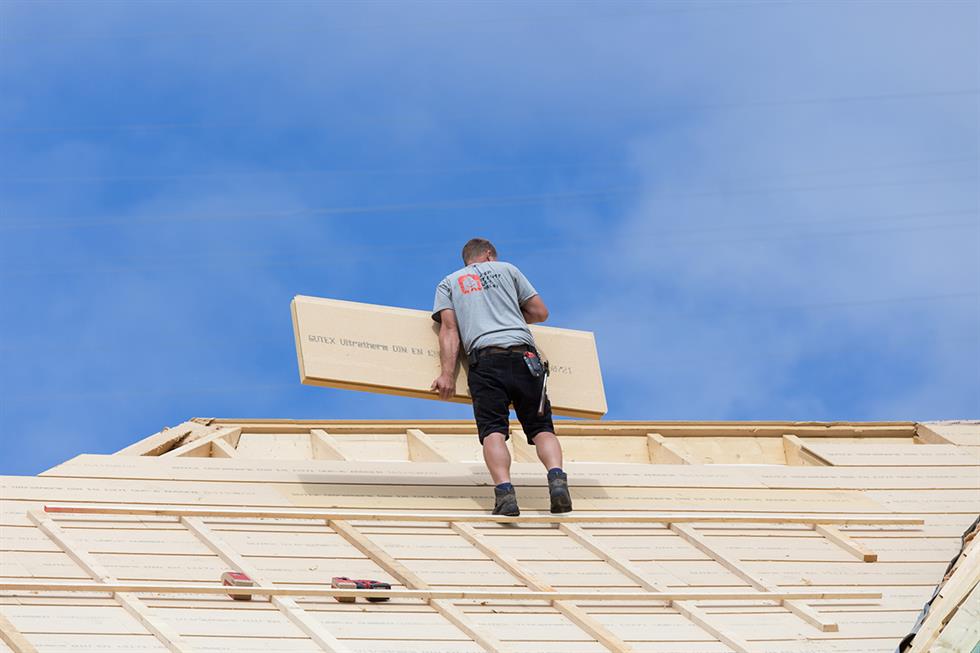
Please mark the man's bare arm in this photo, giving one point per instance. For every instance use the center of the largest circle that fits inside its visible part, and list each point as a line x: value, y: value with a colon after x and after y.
x: 445, y: 383
x: 534, y: 310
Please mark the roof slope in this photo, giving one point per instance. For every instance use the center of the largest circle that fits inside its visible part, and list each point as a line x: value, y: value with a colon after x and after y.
x: 786, y: 520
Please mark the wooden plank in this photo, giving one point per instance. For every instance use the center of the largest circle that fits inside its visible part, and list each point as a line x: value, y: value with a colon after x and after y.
x: 442, y: 517
x: 732, y: 564
x: 843, y: 541
x: 447, y: 609
x: 13, y: 638
x: 664, y: 452
x: 687, y: 608
x: 421, y: 448
x: 649, y: 596
x: 325, y: 446
x: 203, y: 443
x: 288, y: 606
x: 577, y: 615
x: 131, y: 603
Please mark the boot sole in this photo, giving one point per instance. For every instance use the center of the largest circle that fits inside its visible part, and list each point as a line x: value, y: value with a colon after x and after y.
x: 561, y: 504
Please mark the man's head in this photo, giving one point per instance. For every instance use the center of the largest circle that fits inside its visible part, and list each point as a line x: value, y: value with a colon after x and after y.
x: 478, y: 250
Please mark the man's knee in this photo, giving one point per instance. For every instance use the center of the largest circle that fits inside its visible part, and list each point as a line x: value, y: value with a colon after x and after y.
x: 542, y: 437
x: 494, y: 439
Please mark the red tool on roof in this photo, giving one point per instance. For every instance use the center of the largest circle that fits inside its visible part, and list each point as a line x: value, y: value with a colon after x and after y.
x: 237, y: 579
x: 343, y: 582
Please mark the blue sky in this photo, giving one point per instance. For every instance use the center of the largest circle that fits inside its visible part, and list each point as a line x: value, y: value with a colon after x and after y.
x: 764, y: 210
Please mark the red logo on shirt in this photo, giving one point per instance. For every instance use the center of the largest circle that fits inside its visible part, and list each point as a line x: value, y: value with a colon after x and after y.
x: 469, y: 283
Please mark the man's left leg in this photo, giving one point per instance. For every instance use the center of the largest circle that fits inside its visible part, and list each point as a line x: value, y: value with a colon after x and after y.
x: 549, y: 453
x: 549, y: 449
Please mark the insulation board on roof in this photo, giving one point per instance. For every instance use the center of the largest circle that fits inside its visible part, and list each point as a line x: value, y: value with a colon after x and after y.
x: 356, y: 346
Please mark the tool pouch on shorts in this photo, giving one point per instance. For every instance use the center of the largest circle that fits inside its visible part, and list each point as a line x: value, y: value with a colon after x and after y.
x: 533, y: 363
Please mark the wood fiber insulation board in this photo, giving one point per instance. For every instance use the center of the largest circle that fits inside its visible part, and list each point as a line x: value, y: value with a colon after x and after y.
x: 583, y: 474
x: 961, y: 433
x: 945, y: 455
x: 200, y: 493
x: 390, y: 350
x: 398, y: 473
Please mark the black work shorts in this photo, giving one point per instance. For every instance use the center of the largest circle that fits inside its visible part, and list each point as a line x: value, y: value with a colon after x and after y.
x: 501, y: 379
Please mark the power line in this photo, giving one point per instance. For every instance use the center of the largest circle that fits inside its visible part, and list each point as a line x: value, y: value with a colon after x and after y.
x: 353, y: 254
x: 686, y: 108
x: 470, y: 203
x: 353, y: 28
x: 447, y: 170
x: 269, y: 386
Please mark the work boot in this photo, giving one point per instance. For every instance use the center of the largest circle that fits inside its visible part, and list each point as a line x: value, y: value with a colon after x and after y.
x: 506, y: 502
x: 561, y: 500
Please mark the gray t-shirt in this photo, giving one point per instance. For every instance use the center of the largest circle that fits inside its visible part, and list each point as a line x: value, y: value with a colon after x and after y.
x: 487, y: 298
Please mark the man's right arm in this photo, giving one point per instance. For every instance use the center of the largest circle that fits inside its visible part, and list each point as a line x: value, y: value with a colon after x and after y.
x: 532, y: 307
x: 445, y: 383
x: 534, y: 310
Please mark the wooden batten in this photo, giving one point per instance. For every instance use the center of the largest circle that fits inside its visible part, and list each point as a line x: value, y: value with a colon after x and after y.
x: 287, y: 605
x: 857, y: 549
x: 13, y: 638
x: 687, y: 608
x: 404, y: 575
x: 574, y: 613
x: 732, y: 564
x: 130, y: 602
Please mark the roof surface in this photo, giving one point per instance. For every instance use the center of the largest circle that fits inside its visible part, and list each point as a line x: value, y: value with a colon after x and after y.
x: 763, y: 513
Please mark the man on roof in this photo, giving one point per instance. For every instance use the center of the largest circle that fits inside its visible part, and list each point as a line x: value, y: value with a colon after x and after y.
x: 486, y: 306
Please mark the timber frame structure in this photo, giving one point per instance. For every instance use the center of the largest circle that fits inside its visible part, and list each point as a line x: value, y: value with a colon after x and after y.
x: 687, y: 537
